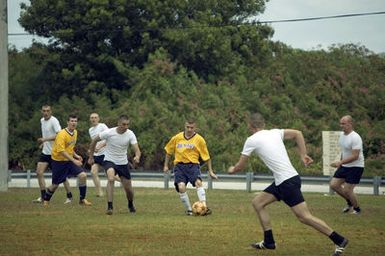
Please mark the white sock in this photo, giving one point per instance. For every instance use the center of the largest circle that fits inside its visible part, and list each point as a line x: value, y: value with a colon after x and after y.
x: 185, y: 200
x: 201, y: 194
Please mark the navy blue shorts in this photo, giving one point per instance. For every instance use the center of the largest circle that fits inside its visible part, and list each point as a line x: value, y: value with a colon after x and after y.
x: 288, y: 191
x: 99, y: 159
x: 45, y: 158
x: 61, y: 170
x: 121, y: 170
x: 186, y: 173
x: 352, y: 175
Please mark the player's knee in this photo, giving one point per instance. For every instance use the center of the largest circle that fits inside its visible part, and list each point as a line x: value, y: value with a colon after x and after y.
x: 257, y: 204
x: 82, y: 175
x: 334, y: 185
x: 198, y: 183
x: 304, y: 218
x: 94, y: 170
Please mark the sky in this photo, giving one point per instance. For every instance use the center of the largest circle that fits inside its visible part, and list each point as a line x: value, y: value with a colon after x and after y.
x: 368, y: 31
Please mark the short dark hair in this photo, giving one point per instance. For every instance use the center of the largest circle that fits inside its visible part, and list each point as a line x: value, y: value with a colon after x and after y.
x: 256, y: 120
x: 123, y: 117
x: 72, y: 116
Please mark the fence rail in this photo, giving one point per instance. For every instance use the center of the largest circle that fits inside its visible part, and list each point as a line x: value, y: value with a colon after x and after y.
x: 249, y: 177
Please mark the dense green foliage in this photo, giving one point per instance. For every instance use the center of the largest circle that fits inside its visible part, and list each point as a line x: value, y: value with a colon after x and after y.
x: 162, y: 61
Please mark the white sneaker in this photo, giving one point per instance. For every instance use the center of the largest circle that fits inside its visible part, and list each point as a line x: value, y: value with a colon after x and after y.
x: 68, y: 200
x: 37, y: 201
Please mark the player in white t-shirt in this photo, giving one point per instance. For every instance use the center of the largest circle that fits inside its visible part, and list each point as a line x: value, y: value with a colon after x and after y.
x: 269, y: 146
x: 115, y: 159
x: 350, y: 167
x: 95, y: 129
x: 50, y: 126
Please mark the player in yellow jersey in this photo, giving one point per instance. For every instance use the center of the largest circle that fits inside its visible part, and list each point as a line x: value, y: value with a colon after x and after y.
x: 188, y: 147
x: 65, y: 162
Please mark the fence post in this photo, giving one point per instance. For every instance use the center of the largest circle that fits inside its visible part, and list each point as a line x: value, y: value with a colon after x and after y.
x: 249, y: 179
x: 166, y: 177
x: 209, y: 182
x: 376, y: 185
x: 28, y: 178
x: 9, y: 175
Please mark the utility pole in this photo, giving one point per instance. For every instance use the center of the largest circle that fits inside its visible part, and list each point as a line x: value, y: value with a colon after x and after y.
x: 3, y: 96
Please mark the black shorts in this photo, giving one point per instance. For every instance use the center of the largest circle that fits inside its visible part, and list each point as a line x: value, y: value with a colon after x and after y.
x: 352, y: 175
x: 61, y: 170
x: 99, y: 159
x: 186, y: 173
x: 288, y: 191
x: 44, y: 158
x: 121, y: 170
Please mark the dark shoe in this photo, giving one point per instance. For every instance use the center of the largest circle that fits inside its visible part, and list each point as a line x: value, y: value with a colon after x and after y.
x: 132, y: 209
x: 109, y: 211
x: 189, y: 213
x: 340, y: 248
x: 262, y: 246
x: 208, y: 212
x: 347, y: 209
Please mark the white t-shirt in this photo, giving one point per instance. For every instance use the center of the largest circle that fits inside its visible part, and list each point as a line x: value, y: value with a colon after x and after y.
x: 94, y: 131
x: 117, y: 144
x: 269, y: 146
x: 347, y: 144
x: 49, y: 128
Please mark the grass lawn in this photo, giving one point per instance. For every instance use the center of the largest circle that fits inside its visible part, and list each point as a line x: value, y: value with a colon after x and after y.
x: 160, y: 227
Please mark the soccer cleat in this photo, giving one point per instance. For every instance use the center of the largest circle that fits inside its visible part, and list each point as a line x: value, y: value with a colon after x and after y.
x: 189, y: 213
x: 37, y: 201
x: 68, y: 200
x: 84, y: 202
x: 347, y: 209
x: 132, y: 209
x: 45, y: 203
x: 340, y: 248
x: 262, y: 246
x: 356, y: 211
x: 109, y: 211
x: 208, y: 212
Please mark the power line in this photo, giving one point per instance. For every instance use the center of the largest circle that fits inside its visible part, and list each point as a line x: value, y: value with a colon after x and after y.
x: 263, y: 22
x: 325, y: 17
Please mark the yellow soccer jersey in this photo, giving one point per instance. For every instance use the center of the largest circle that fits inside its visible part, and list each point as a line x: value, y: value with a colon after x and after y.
x: 64, y: 141
x: 187, y: 150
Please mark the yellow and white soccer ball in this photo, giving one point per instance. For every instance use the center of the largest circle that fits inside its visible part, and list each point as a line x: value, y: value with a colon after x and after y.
x: 199, y: 209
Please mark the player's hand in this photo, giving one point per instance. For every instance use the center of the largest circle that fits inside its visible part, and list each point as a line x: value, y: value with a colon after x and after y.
x: 136, y: 159
x: 165, y: 169
x: 336, y: 164
x: 231, y: 170
x: 91, y: 160
x: 78, y: 162
x: 80, y: 158
x: 213, y: 175
x: 307, y: 160
x: 40, y: 140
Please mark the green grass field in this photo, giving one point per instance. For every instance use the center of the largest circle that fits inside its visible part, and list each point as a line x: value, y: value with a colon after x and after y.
x: 160, y: 227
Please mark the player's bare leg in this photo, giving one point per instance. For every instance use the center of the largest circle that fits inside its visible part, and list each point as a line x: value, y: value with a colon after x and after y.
x: 110, y: 190
x: 40, y: 169
x: 338, y: 186
x: 127, y: 185
x: 95, y: 177
x: 260, y: 202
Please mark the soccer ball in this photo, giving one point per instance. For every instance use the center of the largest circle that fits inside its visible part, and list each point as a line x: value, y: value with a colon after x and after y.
x: 199, y: 209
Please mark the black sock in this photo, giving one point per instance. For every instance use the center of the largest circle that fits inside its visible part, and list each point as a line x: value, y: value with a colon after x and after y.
x: 348, y: 202
x: 130, y: 203
x: 268, y: 237
x: 42, y: 193
x: 109, y: 205
x: 69, y: 195
x: 336, y: 238
x: 48, y: 194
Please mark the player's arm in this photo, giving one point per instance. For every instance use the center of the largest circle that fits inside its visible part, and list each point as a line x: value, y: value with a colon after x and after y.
x: 71, y: 158
x: 297, y: 136
x: 92, y: 149
x: 355, y: 155
x: 166, y: 162
x: 238, y: 166
x: 210, y: 169
x: 100, y: 146
x: 137, y: 153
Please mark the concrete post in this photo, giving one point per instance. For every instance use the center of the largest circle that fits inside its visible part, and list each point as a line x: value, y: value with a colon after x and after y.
x: 3, y: 96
